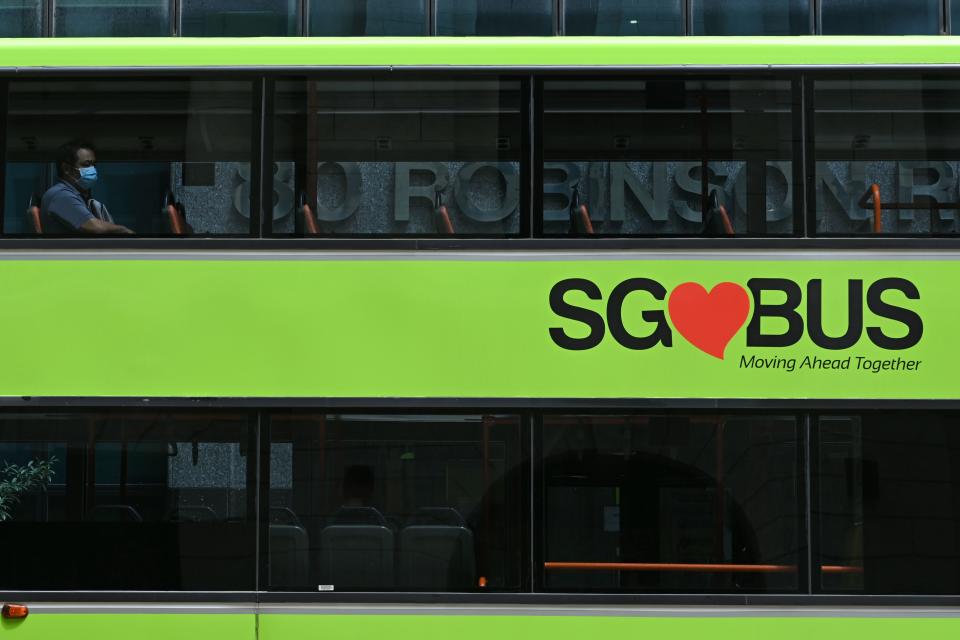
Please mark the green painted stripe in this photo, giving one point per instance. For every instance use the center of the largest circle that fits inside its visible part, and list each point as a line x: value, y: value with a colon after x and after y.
x: 454, y: 328
x: 510, y: 52
x: 40, y: 626
x: 286, y: 627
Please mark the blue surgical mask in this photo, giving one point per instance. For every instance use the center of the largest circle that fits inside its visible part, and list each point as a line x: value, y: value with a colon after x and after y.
x: 88, y: 177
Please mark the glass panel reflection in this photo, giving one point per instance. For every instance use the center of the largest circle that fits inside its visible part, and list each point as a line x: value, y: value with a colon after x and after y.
x: 239, y: 18
x: 668, y: 157
x: 368, y: 18
x: 880, y: 17
x: 751, y: 17
x: 495, y: 17
x: 623, y: 18
x: 377, y: 155
x: 111, y: 18
x: 20, y: 18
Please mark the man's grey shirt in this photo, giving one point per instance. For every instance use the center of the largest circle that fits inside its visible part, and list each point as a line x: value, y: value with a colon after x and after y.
x: 63, y: 209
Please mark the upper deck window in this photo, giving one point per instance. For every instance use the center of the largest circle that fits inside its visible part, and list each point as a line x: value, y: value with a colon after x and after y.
x: 387, y: 155
x: 669, y: 156
x: 898, y: 136
x: 172, y: 156
x: 368, y: 18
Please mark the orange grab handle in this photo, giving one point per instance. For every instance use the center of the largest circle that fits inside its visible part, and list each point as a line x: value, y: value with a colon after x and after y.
x: 877, y: 207
x: 310, y: 222
x: 175, y: 224
x: 445, y: 220
x: 725, y: 219
x: 585, y: 219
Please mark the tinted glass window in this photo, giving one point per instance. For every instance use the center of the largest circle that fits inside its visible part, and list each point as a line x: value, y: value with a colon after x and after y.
x: 627, y: 157
x: 75, y: 18
x: 889, y: 503
x: 157, y: 144
x: 623, y: 18
x: 383, y: 503
x: 239, y: 18
x: 127, y: 502
x: 901, y: 135
x: 873, y: 17
x: 20, y: 18
x: 751, y: 17
x: 634, y: 502
x: 378, y: 155
x: 495, y: 17
x: 368, y: 18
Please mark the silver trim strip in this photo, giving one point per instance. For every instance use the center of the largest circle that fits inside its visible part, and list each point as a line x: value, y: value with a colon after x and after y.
x: 487, y: 256
x: 678, y: 611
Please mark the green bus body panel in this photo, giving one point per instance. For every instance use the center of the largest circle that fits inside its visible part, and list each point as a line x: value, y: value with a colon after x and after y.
x: 429, y: 327
x: 131, y: 626
x: 518, y: 52
x: 543, y: 627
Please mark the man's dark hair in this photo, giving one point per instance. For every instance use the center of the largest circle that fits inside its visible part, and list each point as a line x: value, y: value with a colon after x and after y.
x: 67, y: 153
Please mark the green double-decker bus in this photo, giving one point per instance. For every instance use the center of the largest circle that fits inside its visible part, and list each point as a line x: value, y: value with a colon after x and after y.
x: 480, y: 337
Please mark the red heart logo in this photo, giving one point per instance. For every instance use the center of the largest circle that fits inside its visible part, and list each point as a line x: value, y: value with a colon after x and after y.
x: 709, y: 320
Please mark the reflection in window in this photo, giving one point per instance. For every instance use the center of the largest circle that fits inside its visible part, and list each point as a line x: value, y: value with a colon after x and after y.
x: 20, y: 18
x: 172, y: 155
x: 495, y: 17
x: 383, y: 503
x: 632, y: 501
x: 239, y: 18
x: 751, y: 17
x: 900, y: 134
x: 889, y: 503
x: 411, y: 156
x: 884, y: 17
x: 128, y: 502
x: 623, y: 18
x: 77, y: 18
x: 667, y: 157
x: 368, y: 18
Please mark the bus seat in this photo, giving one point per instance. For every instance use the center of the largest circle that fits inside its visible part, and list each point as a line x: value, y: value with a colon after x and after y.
x: 33, y: 214
x: 357, y: 556
x: 443, y: 516
x: 289, y: 556
x: 437, y: 558
x: 368, y: 516
x: 194, y: 513
x: 113, y: 513
x: 284, y: 515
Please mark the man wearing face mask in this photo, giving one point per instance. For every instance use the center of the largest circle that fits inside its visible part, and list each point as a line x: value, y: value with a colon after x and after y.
x: 68, y: 207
